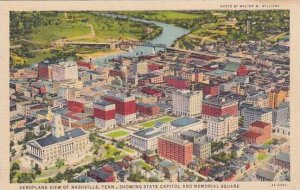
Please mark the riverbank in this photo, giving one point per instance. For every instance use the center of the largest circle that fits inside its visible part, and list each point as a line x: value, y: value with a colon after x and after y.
x: 99, y: 54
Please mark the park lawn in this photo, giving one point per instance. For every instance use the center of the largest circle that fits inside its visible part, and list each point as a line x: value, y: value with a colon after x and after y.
x: 146, y: 166
x: 128, y: 150
x: 55, y: 32
x: 168, y: 15
x: 45, y: 180
x: 261, y: 156
x: 151, y: 123
x: 161, y: 15
x: 117, y: 134
x: 110, y: 153
x: 51, y: 170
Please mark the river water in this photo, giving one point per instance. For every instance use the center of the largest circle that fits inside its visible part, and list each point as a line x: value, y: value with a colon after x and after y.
x: 168, y: 35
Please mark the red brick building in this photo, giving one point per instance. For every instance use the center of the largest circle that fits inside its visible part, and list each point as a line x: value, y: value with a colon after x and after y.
x: 242, y: 71
x: 177, y: 150
x: 85, y: 123
x: 143, y: 82
x: 154, y: 67
x: 45, y: 71
x: 211, y: 89
x: 84, y: 64
x: 177, y: 82
x: 76, y: 105
x: 125, y: 107
x: 218, y: 107
x: 147, y: 109
x: 119, y: 73
x: 152, y: 92
x: 104, y: 114
x: 259, y: 132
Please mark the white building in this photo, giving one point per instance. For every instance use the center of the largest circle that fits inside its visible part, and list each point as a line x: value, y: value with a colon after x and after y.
x: 140, y: 68
x: 187, y: 103
x: 65, y: 71
x: 252, y: 114
x: 184, y: 124
x: 220, y: 127
x: 258, y: 99
x: 146, y: 139
x: 70, y: 146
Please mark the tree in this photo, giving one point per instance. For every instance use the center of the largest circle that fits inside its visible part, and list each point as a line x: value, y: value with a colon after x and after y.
x: 106, y: 147
x: 26, y: 178
x: 13, y: 152
x: 37, y: 169
x: 135, y: 178
x: 153, y: 179
x: 121, y: 144
x: 59, y: 163
x: 15, y: 167
x: 29, y: 136
x: 233, y: 154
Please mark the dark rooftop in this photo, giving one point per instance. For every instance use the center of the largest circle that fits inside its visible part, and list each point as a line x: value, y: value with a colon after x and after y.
x: 181, y: 122
x: 49, y: 140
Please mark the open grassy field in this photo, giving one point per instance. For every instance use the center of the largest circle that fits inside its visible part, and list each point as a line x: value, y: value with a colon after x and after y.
x: 161, y: 15
x: 63, y: 30
x: 118, y: 133
x: 126, y: 149
x: 36, y: 32
x: 146, y: 166
x: 275, y: 38
x: 151, y: 123
x: 261, y: 156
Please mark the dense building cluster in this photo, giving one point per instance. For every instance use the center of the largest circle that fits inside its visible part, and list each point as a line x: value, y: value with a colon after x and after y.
x: 180, y: 115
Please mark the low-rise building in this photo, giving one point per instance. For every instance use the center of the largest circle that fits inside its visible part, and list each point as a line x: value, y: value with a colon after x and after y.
x: 146, y: 139
x: 282, y: 159
x: 202, y: 149
x: 147, y: 109
x: 259, y: 132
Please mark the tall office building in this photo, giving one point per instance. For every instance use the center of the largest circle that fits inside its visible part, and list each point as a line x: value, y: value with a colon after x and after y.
x: 65, y: 71
x: 140, y: 68
x: 175, y: 149
x: 125, y: 107
x: 104, y: 114
x: 187, y: 103
x: 218, y: 128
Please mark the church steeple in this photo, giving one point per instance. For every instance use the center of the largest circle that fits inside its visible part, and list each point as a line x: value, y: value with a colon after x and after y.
x: 57, y: 127
x: 49, y: 115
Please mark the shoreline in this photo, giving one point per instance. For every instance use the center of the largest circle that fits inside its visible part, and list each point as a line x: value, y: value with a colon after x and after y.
x: 99, y: 54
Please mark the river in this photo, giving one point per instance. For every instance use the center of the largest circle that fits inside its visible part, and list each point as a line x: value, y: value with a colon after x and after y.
x: 168, y: 35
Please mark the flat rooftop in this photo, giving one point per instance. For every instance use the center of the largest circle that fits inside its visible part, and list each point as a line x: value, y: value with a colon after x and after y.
x: 175, y: 140
x: 181, y: 122
x: 219, y: 101
x: 148, y: 133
